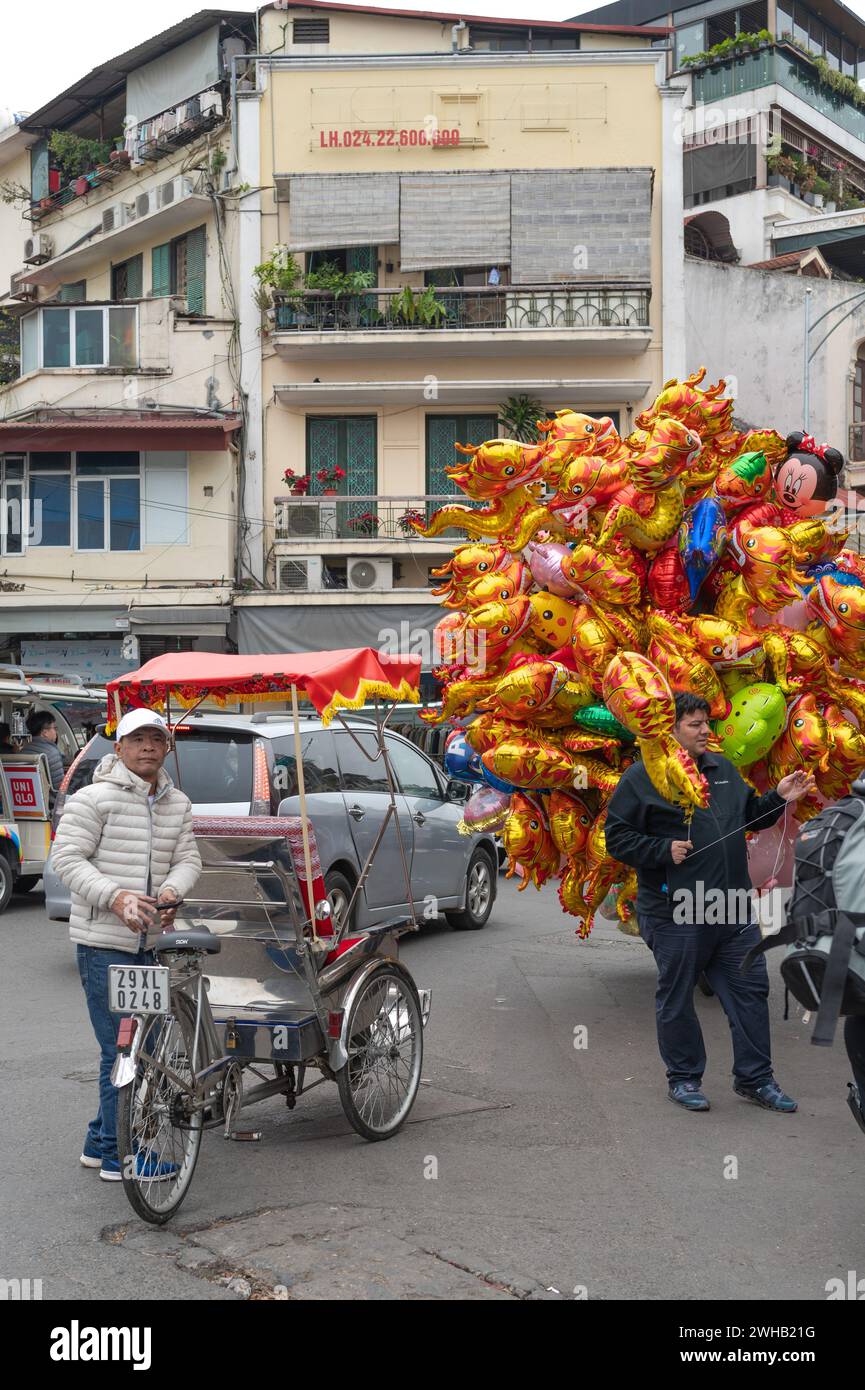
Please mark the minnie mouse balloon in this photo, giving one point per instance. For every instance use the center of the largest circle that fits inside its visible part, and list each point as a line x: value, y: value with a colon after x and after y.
x: 808, y: 478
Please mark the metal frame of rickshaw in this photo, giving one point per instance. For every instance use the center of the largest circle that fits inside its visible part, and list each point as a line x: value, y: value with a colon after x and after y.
x: 341, y: 978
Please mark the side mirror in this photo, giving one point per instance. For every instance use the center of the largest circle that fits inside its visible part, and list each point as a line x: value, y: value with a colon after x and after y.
x: 458, y: 791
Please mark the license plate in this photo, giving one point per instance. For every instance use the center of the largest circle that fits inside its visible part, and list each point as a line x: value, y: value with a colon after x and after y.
x: 139, y: 989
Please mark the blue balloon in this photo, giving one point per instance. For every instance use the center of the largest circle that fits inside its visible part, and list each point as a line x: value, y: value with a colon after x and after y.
x: 702, y: 540
x: 497, y: 782
x: 462, y: 762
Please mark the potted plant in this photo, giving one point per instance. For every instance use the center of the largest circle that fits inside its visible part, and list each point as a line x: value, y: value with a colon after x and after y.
x: 821, y: 191
x: 297, y: 482
x: 365, y: 524
x: 330, y: 479
x: 518, y: 417
x: 406, y: 521
x: 782, y: 171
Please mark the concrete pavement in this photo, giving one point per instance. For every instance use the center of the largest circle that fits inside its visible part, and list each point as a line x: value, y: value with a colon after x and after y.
x: 531, y: 1166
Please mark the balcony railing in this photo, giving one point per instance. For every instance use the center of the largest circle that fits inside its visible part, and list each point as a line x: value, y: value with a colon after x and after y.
x: 781, y: 64
x: 516, y: 307
x: 369, y: 518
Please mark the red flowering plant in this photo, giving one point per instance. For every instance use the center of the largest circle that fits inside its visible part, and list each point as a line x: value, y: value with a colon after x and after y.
x: 298, y: 482
x: 409, y: 520
x: 365, y: 523
x: 330, y: 477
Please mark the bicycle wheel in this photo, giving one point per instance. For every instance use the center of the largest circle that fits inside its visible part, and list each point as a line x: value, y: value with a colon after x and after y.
x: 157, y: 1138
x: 379, y: 1082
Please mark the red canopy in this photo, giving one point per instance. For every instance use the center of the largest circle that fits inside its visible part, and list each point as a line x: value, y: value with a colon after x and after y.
x: 334, y: 680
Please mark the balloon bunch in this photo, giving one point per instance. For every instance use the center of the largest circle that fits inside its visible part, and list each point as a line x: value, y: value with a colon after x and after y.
x: 600, y: 575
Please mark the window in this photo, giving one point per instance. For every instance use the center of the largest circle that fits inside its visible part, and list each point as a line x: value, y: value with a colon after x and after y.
x: 178, y: 267
x: 689, y: 40
x: 100, y: 336
x: 13, y: 516
x: 319, y: 765
x: 443, y: 433
x: 127, y: 279
x: 360, y: 773
x: 165, y: 496
x: 108, y: 502
x: 414, y: 774
x: 73, y: 294
x: 50, y: 496
x: 215, y: 765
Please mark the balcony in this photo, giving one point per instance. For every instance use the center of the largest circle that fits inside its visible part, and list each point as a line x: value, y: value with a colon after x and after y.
x: 369, y: 523
x: 781, y: 65
x: 118, y: 225
x: 605, y: 319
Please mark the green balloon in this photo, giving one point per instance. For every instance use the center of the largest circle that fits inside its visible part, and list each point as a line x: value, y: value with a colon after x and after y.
x: 756, y: 719
x: 598, y: 720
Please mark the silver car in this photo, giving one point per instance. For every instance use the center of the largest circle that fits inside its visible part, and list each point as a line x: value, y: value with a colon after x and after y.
x: 234, y: 765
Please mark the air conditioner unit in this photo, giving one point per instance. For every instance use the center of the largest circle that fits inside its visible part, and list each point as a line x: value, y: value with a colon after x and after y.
x: 366, y: 575
x: 38, y: 249
x: 127, y: 213
x: 19, y: 291
x: 111, y: 218
x: 173, y: 191
x: 301, y: 576
x: 142, y: 204
x: 298, y: 520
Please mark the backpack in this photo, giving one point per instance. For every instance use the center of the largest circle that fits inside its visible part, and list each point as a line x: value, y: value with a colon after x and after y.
x: 824, y: 967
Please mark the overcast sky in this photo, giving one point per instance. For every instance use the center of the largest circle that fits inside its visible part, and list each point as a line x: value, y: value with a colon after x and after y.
x: 46, y: 48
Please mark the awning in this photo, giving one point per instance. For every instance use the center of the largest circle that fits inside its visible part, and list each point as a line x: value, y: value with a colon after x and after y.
x: 583, y: 391
x: 107, y: 434
x: 208, y: 620
x: 55, y: 621
x: 309, y: 627
x: 342, y: 210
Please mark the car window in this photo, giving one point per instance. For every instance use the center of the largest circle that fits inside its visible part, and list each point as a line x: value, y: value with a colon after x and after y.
x: 319, y: 764
x: 414, y: 774
x: 359, y: 773
x: 215, y: 765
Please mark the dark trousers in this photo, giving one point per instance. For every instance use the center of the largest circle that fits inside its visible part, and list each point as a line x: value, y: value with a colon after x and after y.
x: 684, y: 952
x: 854, y: 1037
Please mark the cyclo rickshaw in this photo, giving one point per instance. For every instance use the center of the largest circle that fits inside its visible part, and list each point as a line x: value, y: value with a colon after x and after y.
x: 257, y: 972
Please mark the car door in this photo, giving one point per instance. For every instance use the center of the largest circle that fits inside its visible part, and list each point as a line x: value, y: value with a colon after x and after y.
x: 440, y: 851
x: 322, y: 788
x: 366, y: 798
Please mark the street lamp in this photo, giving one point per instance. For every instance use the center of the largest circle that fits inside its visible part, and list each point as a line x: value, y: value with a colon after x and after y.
x: 856, y: 300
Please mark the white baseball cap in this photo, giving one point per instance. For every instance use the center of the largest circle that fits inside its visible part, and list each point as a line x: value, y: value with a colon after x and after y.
x: 140, y: 719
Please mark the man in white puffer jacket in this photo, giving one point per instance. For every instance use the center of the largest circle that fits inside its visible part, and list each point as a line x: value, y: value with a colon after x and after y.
x: 126, y: 852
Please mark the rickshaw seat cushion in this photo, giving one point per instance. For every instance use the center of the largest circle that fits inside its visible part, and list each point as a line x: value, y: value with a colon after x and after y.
x: 189, y: 941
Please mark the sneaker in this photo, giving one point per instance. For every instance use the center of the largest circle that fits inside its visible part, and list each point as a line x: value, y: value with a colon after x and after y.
x: 146, y: 1166
x: 769, y: 1095
x: 90, y: 1160
x: 688, y: 1095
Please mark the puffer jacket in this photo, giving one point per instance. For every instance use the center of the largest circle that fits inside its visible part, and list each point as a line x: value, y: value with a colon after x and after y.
x: 110, y: 838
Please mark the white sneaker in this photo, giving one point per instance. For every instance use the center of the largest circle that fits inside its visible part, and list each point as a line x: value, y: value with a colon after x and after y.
x: 87, y: 1162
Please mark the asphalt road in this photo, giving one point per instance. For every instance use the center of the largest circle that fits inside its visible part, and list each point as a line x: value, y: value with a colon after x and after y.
x: 530, y: 1164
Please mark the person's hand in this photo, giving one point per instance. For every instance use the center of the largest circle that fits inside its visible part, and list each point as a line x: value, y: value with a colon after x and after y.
x: 135, y: 910
x: 167, y: 902
x: 796, y: 785
x: 679, y: 850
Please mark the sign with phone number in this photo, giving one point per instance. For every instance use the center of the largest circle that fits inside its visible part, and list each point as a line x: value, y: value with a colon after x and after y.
x: 354, y: 139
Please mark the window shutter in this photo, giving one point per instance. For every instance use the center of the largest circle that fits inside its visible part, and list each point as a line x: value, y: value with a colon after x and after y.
x: 161, y: 270
x: 166, y: 499
x: 39, y: 164
x: 73, y: 294
x: 196, y: 248
x: 135, y: 277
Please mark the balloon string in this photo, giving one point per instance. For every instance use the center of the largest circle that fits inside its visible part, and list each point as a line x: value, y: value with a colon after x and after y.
x: 739, y: 830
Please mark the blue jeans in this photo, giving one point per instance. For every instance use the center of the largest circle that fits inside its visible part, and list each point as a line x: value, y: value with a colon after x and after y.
x: 93, y: 963
x: 683, y: 953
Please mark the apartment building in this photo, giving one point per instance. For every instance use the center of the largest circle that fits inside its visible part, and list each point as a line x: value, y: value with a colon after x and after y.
x: 121, y: 436
x: 476, y: 210
x: 773, y: 141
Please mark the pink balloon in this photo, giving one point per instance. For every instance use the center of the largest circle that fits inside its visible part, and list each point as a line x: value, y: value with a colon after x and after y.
x: 795, y: 616
x: 545, y: 562
x: 771, y: 854
x: 486, y: 803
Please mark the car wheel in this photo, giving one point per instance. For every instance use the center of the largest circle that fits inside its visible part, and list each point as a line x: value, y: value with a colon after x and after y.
x: 480, y: 895
x: 7, y: 882
x: 339, y: 892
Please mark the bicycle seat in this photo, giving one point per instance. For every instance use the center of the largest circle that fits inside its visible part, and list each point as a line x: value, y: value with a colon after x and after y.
x: 189, y: 941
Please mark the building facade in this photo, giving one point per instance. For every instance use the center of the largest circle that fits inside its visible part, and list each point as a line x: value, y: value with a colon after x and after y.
x: 474, y: 212
x: 121, y: 434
